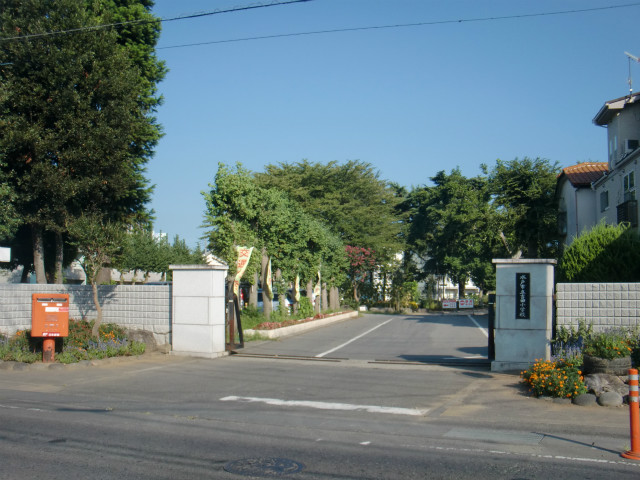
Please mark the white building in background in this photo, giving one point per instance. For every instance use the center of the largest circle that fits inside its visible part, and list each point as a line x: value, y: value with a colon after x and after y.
x: 576, y: 196
x: 591, y: 192
x: 447, y: 290
x: 616, y: 192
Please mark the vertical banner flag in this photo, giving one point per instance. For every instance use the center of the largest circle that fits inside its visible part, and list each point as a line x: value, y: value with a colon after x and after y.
x: 244, y: 254
x: 318, y: 289
x: 268, y: 288
x: 296, y: 289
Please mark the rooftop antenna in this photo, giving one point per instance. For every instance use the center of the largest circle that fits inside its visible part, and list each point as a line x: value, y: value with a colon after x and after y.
x: 635, y: 59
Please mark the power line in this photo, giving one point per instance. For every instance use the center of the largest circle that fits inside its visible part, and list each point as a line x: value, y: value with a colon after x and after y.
x: 404, y: 25
x: 253, y: 6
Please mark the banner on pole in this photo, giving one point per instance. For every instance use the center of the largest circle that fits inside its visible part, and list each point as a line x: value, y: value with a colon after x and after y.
x: 268, y: 287
x: 244, y: 255
x: 296, y: 289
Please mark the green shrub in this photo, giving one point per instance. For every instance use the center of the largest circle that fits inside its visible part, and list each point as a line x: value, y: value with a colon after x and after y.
x: 79, y: 345
x: 19, y: 348
x: 305, y: 308
x: 606, y: 253
x: 433, y: 305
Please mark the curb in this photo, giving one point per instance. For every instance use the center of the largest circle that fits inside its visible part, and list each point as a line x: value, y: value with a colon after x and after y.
x: 303, y: 327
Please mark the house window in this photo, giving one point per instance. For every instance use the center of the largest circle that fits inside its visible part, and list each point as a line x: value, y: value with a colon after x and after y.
x: 604, y: 200
x: 562, y: 223
x: 629, y: 186
x: 627, y: 212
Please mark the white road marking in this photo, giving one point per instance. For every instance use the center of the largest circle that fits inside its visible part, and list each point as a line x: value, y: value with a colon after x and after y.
x: 457, y: 450
x: 327, y: 405
x: 472, y: 357
x: 482, y: 329
x: 353, y: 339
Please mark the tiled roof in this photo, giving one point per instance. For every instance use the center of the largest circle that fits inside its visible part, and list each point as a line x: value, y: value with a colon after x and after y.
x: 584, y: 174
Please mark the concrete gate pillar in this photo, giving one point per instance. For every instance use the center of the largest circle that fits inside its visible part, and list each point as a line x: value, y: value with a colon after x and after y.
x: 524, y: 312
x: 198, y: 310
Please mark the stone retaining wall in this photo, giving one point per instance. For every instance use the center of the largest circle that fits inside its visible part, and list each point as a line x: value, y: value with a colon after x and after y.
x: 605, y: 305
x: 145, y: 307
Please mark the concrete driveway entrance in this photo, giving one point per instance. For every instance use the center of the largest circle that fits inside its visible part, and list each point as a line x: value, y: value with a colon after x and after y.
x: 450, y: 338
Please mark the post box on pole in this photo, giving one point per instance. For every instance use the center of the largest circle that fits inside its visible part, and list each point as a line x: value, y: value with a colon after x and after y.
x: 49, y: 320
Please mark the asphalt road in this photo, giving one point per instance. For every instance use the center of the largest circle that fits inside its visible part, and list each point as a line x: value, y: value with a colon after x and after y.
x: 160, y: 416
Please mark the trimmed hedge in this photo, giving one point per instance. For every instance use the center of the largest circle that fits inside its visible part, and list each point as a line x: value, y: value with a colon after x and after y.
x: 604, y: 254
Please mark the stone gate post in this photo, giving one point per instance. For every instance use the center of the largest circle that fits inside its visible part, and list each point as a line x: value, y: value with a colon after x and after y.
x: 198, y: 310
x: 524, y: 312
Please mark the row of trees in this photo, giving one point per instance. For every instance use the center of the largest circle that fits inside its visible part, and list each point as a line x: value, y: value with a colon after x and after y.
x: 300, y: 217
x: 458, y: 224
x: 77, y: 123
x: 346, y: 223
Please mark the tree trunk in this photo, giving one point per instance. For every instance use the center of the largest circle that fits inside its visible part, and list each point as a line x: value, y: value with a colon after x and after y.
x: 532, y: 248
x: 310, y: 294
x: 334, y: 298
x: 325, y: 301
x: 95, y: 331
x: 24, y: 278
x: 356, y: 295
x: 38, y: 253
x: 57, y: 275
x: 461, y: 288
x: 253, y: 291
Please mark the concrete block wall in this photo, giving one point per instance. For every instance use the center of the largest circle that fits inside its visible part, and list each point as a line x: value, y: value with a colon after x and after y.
x: 145, y: 307
x: 605, y: 305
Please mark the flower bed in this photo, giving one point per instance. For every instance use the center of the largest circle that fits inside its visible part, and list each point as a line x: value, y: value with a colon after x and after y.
x: 290, y: 322
x: 560, y: 379
x: 273, y: 330
x: 77, y: 346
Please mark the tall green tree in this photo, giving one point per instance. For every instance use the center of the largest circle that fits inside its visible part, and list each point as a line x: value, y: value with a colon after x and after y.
x: 448, y: 228
x: 239, y: 212
x: 9, y: 219
x: 523, y: 193
x: 349, y: 198
x: 75, y: 119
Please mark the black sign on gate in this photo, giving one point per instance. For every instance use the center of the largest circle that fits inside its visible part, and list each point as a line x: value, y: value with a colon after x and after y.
x: 523, y: 282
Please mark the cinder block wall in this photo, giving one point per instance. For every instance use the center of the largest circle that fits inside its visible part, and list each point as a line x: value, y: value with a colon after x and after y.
x: 605, y: 305
x: 145, y: 307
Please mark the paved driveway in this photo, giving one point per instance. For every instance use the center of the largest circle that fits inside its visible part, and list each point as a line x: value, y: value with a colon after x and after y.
x: 443, y: 338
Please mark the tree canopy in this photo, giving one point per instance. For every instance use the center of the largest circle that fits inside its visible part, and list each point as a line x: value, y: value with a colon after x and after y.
x: 523, y: 193
x: 75, y: 119
x: 240, y: 212
x: 450, y: 228
x: 349, y: 198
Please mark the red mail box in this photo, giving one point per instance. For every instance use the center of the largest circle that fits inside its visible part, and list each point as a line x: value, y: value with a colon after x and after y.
x: 50, y: 315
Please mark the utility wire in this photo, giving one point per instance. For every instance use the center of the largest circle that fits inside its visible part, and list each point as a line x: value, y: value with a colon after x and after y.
x: 253, y: 6
x: 404, y: 25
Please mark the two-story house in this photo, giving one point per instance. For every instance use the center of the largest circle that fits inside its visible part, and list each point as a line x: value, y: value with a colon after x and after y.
x: 616, y: 192
x: 577, y: 201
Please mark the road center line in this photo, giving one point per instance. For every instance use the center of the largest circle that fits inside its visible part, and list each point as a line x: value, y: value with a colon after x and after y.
x: 352, y: 340
x: 482, y: 329
x: 327, y: 405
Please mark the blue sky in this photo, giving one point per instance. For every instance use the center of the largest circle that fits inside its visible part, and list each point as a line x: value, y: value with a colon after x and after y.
x: 411, y: 101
